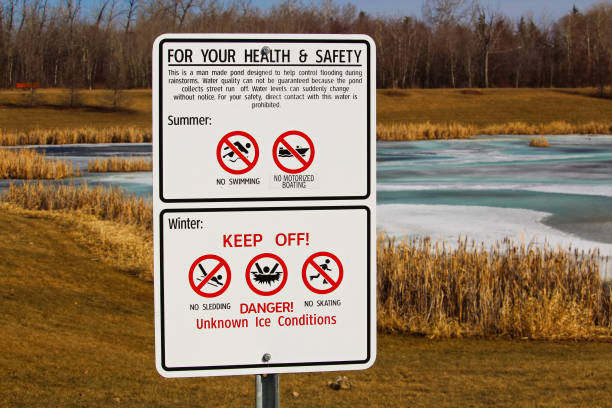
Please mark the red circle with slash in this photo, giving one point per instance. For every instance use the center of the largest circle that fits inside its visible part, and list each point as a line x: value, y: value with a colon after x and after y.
x: 209, y: 276
x: 226, y: 142
x: 265, y: 276
x: 281, y: 140
x: 333, y: 283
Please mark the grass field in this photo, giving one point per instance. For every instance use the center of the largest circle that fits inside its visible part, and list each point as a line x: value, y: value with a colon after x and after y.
x: 497, y: 109
x: 52, y: 111
x: 77, y: 332
x: 488, y: 107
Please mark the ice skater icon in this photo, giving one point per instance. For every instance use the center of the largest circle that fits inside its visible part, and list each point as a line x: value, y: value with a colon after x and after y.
x: 325, y: 267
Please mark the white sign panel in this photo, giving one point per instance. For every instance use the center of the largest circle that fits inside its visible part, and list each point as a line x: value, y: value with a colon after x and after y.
x: 257, y: 118
x: 286, y: 284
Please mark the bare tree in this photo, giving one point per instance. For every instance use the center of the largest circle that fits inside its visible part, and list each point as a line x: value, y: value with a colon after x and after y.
x: 486, y: 24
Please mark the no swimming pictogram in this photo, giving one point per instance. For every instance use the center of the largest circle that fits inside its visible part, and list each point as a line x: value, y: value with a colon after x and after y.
x: 237, y: 152
x: 293, y: 152
x: 209, y: 276
x: 266, y: 274
x: 322, y: 272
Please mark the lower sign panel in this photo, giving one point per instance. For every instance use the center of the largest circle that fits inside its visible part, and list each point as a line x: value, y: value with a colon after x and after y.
x: 264, y: 290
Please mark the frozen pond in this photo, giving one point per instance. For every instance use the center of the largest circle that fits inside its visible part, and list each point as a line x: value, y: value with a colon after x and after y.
x: 485, y: 189
x: 139, y: 183
x: 490, y: 188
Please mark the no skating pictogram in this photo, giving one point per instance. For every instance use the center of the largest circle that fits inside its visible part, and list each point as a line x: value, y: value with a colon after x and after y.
x: 266, y: 274
x: 209, y: 276
x: 322, y: 272
x: 293, y: 152
x: 237, y: 152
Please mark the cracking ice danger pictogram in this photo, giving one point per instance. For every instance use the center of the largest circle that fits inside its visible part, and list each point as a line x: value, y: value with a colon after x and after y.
x: 322, y: 272
x: 237, y: 152
x: 293, y: 152
x: 209, y: 276
x: 266, y: 274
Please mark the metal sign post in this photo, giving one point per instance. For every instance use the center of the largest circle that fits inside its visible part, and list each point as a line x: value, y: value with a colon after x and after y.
x: 264, y: 201
x: 267, y: 391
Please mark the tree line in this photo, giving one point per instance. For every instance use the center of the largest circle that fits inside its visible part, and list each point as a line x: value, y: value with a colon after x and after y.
x: 454, y: 44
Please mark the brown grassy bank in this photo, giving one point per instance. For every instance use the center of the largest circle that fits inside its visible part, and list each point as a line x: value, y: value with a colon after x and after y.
x: 417, y: 114
x: 31, y: 165
x: 111, y: 204
x: 509, y: 290
x: 423, y: 287
x: 402, y: 114
x: 116, y: 227
x: 94, y: 108
x: 75, y: 135
x: 119, y: 164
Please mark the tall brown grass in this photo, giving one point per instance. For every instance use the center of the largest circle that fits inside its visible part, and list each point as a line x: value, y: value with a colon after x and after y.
x: 424, y: 287
x: 105, y: 203
x: 423, y: 131
x: 115, y: 226
x: 433, y: 131
x: 551, y: 128
x: 119, y: 164
x: 509, y: 290
x: 76, y: 135
x: 29, y: 165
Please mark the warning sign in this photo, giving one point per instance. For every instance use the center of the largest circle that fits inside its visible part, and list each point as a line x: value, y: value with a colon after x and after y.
x: 266, y: 274
x: 209, y: 276
x: 264, y: 207
x: 293, y: 152
x: 272, y: 298
x: 237, y: 152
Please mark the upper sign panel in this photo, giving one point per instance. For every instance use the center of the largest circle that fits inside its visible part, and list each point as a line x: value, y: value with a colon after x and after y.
x: 244, y: 118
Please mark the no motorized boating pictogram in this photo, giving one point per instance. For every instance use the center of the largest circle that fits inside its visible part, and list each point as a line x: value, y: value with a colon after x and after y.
x: 293, y: 151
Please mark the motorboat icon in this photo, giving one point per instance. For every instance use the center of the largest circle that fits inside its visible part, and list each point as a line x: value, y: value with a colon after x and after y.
x: 282, y: 152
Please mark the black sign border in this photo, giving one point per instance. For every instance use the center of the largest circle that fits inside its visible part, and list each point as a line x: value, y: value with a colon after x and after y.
x: 263, y: 365
x: 260, y: 40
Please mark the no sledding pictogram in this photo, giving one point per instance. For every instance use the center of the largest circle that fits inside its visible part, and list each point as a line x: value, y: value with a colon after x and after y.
x: 293, y: 152
x: 266, y: 274
x: 209, y: 276
x: 237, y: 152
x: 322, y: 272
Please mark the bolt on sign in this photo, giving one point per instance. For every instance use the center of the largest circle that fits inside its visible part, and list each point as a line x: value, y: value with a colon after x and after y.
x: 264, y: 203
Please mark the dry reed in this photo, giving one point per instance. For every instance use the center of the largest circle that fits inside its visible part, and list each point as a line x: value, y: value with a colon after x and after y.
x: 539, y: 141
x: 111, y: 204
x: 427, y: 288
x: 508, y: 290
x: 119, y: 164
x: 551, y: 128
x: 74, y: 136
x: 423, y: 131
x: 432, y: 131
x: 30, y: 165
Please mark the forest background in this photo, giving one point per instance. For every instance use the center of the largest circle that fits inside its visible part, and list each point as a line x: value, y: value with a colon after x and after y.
x: 454, y: 44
